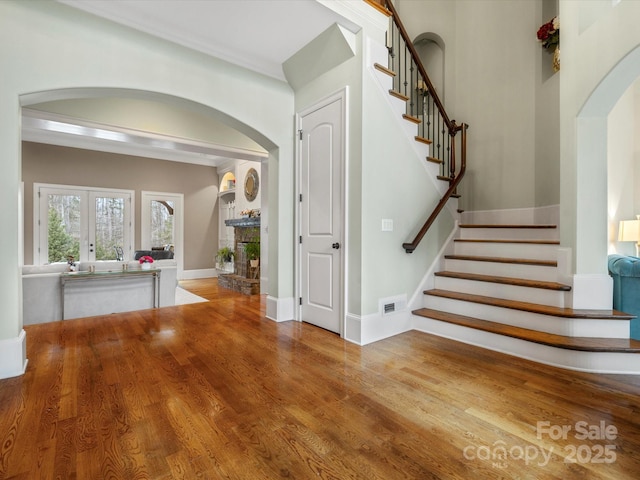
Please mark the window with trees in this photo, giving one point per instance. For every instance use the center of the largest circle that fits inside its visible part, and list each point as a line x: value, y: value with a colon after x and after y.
x: 83, y: 223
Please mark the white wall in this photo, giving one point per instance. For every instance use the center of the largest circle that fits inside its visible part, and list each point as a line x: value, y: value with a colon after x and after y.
x: 597, y: 69
x: 47, y: 46
x: 242, y: 167
x: 621, y: 183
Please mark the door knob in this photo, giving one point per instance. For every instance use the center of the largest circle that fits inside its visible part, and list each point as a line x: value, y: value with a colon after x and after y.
x: 336, y: 245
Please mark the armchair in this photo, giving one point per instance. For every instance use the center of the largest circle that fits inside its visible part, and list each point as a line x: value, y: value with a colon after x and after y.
x: 626, y: 288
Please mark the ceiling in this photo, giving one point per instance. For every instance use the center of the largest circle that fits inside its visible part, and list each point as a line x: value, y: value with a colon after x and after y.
x: 259, y: 35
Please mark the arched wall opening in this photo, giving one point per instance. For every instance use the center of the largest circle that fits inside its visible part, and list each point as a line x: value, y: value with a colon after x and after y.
x: 29, y: 99
x: 73, y: 49
x: 431, y: 50
x: 128, y: 108
x: 592, y: 219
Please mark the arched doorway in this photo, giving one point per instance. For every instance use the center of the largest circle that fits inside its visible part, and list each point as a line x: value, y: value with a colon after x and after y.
x: 591, y: 191
x: 143, y: 124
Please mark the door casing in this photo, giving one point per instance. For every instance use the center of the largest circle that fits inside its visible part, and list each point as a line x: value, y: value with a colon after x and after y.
x: 342, y: 96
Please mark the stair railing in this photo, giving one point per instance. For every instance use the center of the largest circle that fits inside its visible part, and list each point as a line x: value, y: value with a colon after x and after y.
x: 426, y: 109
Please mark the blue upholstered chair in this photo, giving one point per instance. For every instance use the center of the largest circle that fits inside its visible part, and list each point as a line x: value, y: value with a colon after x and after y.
x: 626, y: 288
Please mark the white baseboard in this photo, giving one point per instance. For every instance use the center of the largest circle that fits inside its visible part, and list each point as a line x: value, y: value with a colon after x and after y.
x: 353, y: 329
x: 201, y: 273
x: 280, y: 309
x: 363, y: 330
x: 13, y: 356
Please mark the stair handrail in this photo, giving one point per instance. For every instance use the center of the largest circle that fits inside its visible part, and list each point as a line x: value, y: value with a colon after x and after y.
x: 411, y: 246
x: 452, y: 129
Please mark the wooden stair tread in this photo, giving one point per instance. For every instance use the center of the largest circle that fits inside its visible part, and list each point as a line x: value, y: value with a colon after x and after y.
x: 623, y: 345
x: 384, y: 69
x: 379, y: 7
x: 411, y: 118
x: 435, y: 160
x: 532, y: 307
x: 518, y: 261
x: 520, y: 282
x: 401, y: 96
x: 494, y: 225
x: 423, y: 140
x: 534, y: 242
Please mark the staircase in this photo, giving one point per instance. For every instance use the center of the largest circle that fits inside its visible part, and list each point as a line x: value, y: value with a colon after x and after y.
x: 498, y: 290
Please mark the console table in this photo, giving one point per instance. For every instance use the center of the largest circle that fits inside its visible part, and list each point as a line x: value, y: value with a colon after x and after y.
x: 105, y: 290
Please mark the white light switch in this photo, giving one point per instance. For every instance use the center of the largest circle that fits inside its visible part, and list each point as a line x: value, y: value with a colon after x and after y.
x: 387, y: 225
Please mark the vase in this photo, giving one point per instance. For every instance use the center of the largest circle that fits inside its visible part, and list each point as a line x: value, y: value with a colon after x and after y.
x: 556, y: 59
x: 145, y: 266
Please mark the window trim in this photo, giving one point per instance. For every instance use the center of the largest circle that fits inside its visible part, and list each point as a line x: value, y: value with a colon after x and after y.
x: 40, y: 217
x: 145, y: 236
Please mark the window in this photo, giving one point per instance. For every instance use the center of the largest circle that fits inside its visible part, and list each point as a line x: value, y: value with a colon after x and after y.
x: 161, y: 223
x: 88, y: 224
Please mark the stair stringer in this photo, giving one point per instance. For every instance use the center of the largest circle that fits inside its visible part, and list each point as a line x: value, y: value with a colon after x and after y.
x: 416, y: 300
x: 377, y: 53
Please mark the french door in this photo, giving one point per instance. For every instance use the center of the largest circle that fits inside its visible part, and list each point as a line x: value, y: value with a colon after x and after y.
x: 86, y: 224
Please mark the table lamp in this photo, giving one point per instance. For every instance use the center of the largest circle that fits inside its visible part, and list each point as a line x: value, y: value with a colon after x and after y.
x: 630, y: 232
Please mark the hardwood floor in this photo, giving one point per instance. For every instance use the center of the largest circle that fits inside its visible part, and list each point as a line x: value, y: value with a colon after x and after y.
x: 215, y: 390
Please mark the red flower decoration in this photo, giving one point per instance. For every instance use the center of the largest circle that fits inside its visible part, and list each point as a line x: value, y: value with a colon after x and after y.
x: 549, y: 34
x: 544, y: 30
x: 146, y: 259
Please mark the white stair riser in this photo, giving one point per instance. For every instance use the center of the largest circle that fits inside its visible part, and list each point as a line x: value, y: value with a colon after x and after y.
x: 434, y: 171
x: 385, y: 80
x: 529, y: 272
x: 570, y: 327
x: 510, y: 233
x: 497, y: 290
x: 596, y: 362
x: 507, y: 250
x: 412, y: 130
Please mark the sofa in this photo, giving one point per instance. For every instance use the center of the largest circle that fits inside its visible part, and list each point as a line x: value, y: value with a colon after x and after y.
x: 625, y: 271
x: 155, y: 254
x: 42, y: 293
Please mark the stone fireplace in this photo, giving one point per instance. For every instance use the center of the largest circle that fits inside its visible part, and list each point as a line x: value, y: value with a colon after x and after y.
x: 244, y: 279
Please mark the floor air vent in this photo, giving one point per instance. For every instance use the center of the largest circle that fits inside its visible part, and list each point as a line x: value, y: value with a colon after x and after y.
x: 392, y: 305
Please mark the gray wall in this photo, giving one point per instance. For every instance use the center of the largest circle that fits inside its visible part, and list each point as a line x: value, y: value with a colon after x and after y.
x: 71, y: 166
x: 499, y: 81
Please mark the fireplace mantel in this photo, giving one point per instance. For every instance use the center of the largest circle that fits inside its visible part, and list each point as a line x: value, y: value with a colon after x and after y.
x: 243, y: 222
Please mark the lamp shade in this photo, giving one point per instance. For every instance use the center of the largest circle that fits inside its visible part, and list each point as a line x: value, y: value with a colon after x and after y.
x: 629, y: 231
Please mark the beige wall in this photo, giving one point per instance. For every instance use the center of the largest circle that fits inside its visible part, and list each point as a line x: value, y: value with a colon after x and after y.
x: 498, y: 80
x: 71, y: 166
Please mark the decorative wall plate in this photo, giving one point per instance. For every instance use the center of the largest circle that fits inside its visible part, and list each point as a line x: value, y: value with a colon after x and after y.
x: 251, y: 185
